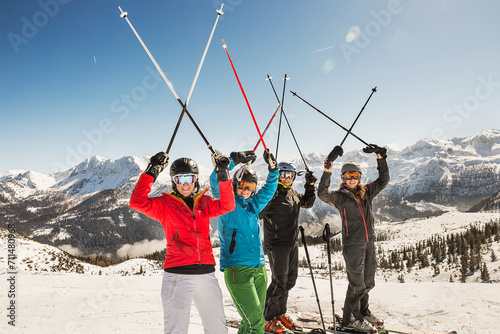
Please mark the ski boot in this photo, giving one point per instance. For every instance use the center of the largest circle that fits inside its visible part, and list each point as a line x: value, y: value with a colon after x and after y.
x: 290, y: 324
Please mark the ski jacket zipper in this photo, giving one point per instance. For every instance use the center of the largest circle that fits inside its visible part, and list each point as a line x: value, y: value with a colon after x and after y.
x: 346, y: 228
x: 363, y: 216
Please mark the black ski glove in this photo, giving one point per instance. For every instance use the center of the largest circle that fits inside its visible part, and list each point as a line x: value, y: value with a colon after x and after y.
x: 334, y: 154
x: 310, y: 179
x: 157, y: 164
x: 376, y: 149
x: 221, y: 164
x: 272, y: 166
x: 243, y: 157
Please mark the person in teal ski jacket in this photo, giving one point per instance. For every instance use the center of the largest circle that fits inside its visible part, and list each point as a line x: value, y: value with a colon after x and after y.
x: 241, y: 252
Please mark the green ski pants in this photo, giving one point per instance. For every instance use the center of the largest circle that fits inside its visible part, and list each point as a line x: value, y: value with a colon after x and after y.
x: 247, y: 287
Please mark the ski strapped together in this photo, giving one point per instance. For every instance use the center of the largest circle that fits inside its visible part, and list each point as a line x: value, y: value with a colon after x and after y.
x: 245, y: 96
x: 287, y: 122
x: 183, y: 105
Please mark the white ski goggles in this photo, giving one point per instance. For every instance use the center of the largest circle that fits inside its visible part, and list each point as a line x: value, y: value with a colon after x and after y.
x: 184, y: 178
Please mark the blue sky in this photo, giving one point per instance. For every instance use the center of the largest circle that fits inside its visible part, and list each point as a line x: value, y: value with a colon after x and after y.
x: 75, y: 82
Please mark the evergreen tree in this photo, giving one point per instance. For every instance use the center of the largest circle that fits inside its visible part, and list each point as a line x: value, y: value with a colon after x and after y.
x: 485, y: 275
x: 493, y: 256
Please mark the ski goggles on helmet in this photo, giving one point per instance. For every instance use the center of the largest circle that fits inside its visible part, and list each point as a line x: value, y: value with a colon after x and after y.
x: 352, y: 175
x: 288, y: 174
x: 244, y: 185
x: 184, y: 178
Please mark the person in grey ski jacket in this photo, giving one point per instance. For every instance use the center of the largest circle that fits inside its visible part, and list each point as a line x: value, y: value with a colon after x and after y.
x: 353, y: 200
x: 241, y: 253
x: 281, y: 227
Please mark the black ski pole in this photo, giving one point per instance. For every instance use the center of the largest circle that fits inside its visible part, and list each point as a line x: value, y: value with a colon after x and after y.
x: 332, y: 153
x: 326, y: 237
x: 288, y: 123
x: 301, y: 229
x: 281, y: 113
x: 348, y: 132
x: 322, y: 113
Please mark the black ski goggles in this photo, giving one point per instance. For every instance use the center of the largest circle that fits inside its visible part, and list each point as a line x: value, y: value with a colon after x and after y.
x: 243, y: 185
x: 288, y: 175
x: 184, y: 178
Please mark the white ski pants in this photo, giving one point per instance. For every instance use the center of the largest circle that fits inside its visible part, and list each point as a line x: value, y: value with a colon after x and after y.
x: 177, y: 294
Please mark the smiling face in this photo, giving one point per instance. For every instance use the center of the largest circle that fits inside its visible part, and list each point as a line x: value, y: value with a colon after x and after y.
x: 351, y: 178
x: 246, y: 192
x: 185, y: 189
x: 352, y: 183
x: 286, y: 181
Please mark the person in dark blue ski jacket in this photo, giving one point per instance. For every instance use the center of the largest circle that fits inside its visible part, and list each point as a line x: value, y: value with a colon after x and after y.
x: 241, y: 252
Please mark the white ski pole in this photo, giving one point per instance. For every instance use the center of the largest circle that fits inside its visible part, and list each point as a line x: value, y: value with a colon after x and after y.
x: 219, y: 13
x: 124, y: 15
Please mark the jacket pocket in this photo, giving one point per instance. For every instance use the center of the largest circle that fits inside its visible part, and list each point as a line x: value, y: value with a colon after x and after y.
x: 233, y: 242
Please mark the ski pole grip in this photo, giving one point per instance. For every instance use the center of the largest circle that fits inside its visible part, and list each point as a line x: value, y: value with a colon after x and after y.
x: 301, y: 230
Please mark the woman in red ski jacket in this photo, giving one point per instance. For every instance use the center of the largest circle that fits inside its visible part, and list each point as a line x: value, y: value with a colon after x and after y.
x: 189, y: 269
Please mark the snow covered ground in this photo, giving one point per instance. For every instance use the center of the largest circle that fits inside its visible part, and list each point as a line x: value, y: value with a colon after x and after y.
x: 73, y: 303
x: 51, y: 297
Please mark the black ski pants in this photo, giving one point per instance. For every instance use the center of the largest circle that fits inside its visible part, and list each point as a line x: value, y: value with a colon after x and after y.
x: 361, y: 263
x: 284, y: 263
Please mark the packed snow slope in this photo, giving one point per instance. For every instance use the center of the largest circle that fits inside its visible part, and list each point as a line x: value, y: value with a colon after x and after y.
x: 56, y: 293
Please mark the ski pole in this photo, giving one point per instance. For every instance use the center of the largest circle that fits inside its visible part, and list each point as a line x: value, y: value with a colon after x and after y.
x: 348, y: 132
x: 219, y: 13
x: 288, y: 123
x: 322, y: 113
x: 267, y: 127
x: 244, y: 95
x: 326, y: 237
x: 301, y: 229
x: 332, y: 153
x: 281, y: 113
x: 124, y: 15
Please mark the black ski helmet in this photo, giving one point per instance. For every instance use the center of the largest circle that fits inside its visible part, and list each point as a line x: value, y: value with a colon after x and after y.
x: 287, y: 167
x: 184, y: 166
x: 244, y: 173
x: 351, y: 167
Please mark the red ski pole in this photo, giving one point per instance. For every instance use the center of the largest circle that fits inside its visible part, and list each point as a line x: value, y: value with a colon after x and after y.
x: 244, y: 95
x: 267, y: 127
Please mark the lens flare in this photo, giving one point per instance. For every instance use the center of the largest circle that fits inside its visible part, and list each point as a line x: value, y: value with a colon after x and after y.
x: 352, y: 34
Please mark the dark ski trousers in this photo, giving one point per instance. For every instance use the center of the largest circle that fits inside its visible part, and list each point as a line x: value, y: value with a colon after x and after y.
x: 284, y: 263
x: 361, y: 263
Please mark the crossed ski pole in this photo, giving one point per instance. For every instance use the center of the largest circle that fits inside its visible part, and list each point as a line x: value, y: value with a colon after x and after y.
x: 286, y: 119
x: 349, y: 131
x: 183, y: 105
x: 245, y: 96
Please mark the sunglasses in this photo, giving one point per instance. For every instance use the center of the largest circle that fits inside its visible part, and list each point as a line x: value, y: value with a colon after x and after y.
x: 184, y: 178
x: 287, y: 175
x: 243, y: 185
x: 352, y: 175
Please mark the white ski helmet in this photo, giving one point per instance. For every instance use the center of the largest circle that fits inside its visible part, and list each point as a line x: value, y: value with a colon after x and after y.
x: 287, y: 167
